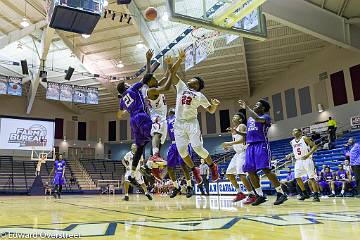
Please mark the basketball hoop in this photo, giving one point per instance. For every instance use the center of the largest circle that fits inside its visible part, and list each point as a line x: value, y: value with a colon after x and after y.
x: 205, y: 38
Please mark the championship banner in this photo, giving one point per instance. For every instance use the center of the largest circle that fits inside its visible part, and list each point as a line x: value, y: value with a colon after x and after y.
x: 3, y: 84
x: 53, y: 91
x: 200, y: 53
x: 92, y: 96
x: 79, y: 94
x: 189, y: 57
x: 24, y: 134
x: 355, y: 122
x: 66, y: 93
x: 14, y: 86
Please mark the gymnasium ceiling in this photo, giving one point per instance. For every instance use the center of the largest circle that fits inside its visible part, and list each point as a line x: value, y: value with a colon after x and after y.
x: 234, y: 70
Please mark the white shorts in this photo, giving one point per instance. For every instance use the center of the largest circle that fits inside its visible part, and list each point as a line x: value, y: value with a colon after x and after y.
x: 138, y: 177
x: 236, y: 164
x: 187, y: 132
x: 159, y: 126
x: 305, y: 168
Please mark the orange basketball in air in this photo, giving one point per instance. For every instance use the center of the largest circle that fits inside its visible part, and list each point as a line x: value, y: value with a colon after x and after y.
x: 151, y: 13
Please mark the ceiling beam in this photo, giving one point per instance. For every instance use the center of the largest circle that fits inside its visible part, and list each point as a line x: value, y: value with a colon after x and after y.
x: 46, y: 39
x: 318, y: 22
x: 19, y: 34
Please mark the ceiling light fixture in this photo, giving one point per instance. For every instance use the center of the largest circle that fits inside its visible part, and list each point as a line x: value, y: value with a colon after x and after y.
x: 25, y: 23
x: 120, y: 64
x: 106, y: 3
x: 85, y: 35
x: 140, y: 44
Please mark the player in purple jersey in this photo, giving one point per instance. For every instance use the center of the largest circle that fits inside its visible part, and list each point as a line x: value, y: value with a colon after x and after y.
x: 59, y: 176
x: 342, y: 180
x: 258, y: 154
x: 326, y: 178
x: 174, y: 159
x: 132, y: 101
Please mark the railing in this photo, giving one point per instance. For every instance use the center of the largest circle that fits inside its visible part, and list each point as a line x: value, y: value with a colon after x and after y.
x: 84, y: 173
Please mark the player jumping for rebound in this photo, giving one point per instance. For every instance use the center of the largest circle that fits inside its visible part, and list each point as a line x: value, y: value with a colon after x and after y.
x: 303, y: 149
x: 127, y: 162
x: 174, y: 159
x: 132, y: 101
x: 59, y: 177
x: 186, y: 128
x: 258, y: 152
x: 238, y: 132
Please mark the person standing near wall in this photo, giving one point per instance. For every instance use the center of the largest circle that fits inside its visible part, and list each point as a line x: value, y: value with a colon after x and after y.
x: 204, y: 172
x: 332, y: 129
x: 355, y: 165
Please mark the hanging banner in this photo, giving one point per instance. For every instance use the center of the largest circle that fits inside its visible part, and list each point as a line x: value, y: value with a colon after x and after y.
x: 79, y: 94
x: 14, y: 86
x: 66, y: 93
x: 53, y: 91
x: 3, y: 84
x: 189, y: 57
x: 92, y: 96
x: 355, y: 122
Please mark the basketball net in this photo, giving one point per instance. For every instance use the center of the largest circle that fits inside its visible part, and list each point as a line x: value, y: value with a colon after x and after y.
x: 205, y: 38
x: 40, y: 154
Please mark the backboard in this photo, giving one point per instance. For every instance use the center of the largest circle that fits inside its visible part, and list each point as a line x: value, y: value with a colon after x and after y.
x: 236, y: 17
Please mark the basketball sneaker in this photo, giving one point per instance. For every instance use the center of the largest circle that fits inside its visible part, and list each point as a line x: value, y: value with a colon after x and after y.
x: 148, y: 195
x: 175, y: 192
x: 259, y: 200
x: 126, y: 198
x: 189, y: 192
x: 250, y: 199
x: 332, y: 195
x: 316, y: 197
x: 239, y: 196
x: 214, y: 172
x: 280, y: 198
x: 304, y: 196
x: 198, y: 178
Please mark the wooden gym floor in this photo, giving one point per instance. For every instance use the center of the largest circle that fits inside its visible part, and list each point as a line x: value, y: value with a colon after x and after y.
x: 107, y: 217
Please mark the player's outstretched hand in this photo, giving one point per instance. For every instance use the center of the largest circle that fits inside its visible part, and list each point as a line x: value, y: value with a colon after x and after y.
x: 226, y: 145
x: 149, y: 54
x: 169, y: 60
x: 182, y: 54
x: 242, y: 104
x: 120, y: 114
x: 215, y: 102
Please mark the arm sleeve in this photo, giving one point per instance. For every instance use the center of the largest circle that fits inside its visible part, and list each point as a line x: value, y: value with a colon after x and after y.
x: 204, y: 102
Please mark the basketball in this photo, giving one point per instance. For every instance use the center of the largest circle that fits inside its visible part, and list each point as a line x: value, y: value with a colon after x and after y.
x: 151, y: 13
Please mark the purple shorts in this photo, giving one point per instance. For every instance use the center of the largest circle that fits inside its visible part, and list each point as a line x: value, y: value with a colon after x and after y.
x: 58, y: 179
x: 141, y: 128
x: 324, y: 185
x: 173, y: 157
x: 258, y: 156
x: 338, y: 184
x: 353, y: 184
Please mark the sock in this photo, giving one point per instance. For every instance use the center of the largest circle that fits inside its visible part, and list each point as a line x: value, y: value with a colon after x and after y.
x: 342, y: 192
x: 155, y: 151
x: 176, y: 185
x: 279, y: 189
x: 238, y: 190
x: 259, y: 191
x: 126, y: 194
x: 188, y: 183
x: 333, y: 192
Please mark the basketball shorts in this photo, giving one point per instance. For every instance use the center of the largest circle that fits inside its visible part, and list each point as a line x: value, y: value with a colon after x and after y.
x: 138, y: 177
x: 159, y: 126
x: 236, y: 164
x: 187, y: 132
x: 324, y: 185
x: 305, y: 168
x: 173, y: 157
x: 58, y: 179
x: 258, y: 156
x: 141, y: 128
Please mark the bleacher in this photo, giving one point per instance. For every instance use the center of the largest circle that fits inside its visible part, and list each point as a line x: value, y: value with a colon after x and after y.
x: 17, y: 176
x: 103, y: 169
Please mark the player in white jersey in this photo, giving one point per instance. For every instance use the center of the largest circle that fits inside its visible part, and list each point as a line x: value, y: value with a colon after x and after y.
x: 127, y: 162
x: 238, y: 132
x: 186, y: 128
x: 303, y: 149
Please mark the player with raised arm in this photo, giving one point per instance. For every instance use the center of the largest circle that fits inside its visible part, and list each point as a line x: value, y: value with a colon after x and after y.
x: 303, y: 149
x: 127, y: 162
x: 238, y: 132
x: 258, y: 154
x: 133, y: 102
x: 186, y: 128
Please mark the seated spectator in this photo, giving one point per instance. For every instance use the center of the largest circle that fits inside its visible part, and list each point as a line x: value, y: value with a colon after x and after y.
x: 315, y: 137
x: 325, y: 180
x: 347, y: 166
x: 323, y: 168
x: 341, y: 180
x: 48, y: 189
x: 347, y: 147
x: 289, y: 185
x: 72, y: 180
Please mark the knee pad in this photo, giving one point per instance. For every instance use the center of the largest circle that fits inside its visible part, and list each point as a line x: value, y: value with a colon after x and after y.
x: 201, y: 151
